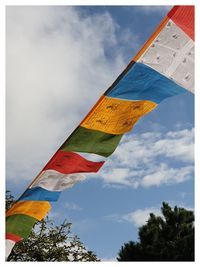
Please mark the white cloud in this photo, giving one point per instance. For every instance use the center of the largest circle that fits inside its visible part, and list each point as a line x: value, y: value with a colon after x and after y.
x: 56, y: 70
x: 151, y: 159
x: 116, y: 175
x: 177, y: 145
x: 139, y: 217
x: 166, y: 175
x: 108, y: 259
x: 72, y: 206
x: 54, y: 214
x: 145, y: 147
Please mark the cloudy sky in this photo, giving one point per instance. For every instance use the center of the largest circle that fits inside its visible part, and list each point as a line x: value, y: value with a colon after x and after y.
x: 60, y: 60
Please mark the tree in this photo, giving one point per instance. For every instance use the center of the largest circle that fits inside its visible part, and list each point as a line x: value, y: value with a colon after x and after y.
x: 166, y: 238
x: 49, y: 242
x: 9, y: 199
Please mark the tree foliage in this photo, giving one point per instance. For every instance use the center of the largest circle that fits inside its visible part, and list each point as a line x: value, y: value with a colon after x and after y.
x: 9, y: 199
x: 49, y: 242
x: 166, y: 238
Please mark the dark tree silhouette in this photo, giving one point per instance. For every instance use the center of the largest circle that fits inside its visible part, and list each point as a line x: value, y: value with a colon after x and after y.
x: 167, y: 238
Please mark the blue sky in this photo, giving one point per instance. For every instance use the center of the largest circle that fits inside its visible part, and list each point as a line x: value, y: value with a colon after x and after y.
x: 59, y: 61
